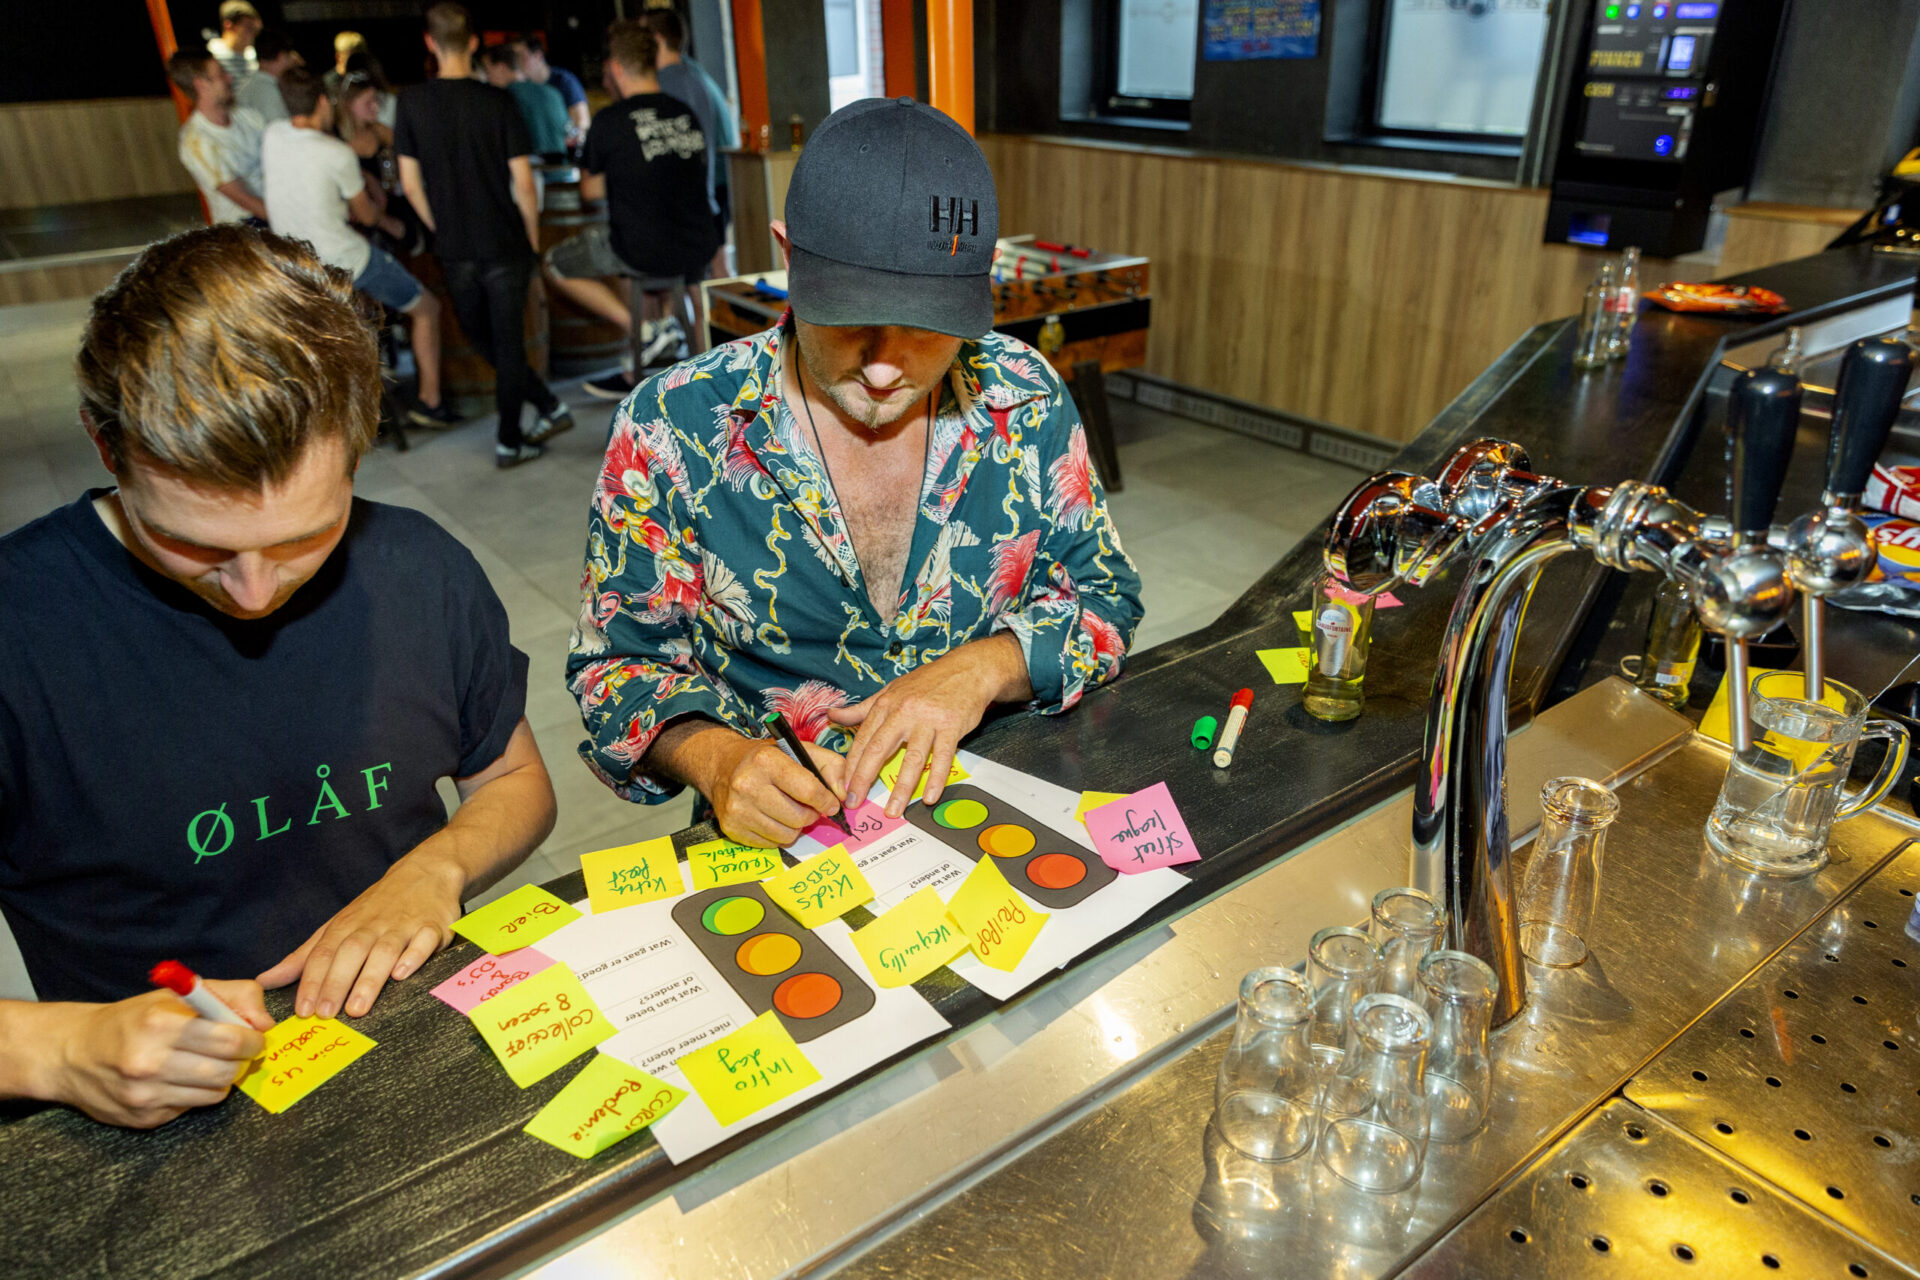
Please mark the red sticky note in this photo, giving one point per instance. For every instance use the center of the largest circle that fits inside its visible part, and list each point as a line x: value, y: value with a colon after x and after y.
x: 868, y: 820
x: 1141, y: 832
x: 488, y: 976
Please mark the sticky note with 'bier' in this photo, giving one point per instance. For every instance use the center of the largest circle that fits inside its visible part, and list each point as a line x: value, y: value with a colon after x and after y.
x: 515, y: 920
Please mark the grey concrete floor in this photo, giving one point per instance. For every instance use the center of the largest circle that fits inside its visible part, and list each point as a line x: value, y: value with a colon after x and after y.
x: 1203, y: 514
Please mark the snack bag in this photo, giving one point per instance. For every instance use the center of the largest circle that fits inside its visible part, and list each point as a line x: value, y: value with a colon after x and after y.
x: 1727, y: 299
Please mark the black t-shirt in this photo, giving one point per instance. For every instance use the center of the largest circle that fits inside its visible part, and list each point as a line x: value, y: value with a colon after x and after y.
x: 654, y: 157
x: 178, y: 784
x: 463, y: 133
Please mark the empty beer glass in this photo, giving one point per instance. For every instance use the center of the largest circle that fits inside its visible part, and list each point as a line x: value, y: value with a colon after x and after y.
x: 1563, y: 874
x: 1343, y: 965
x: 1460, y: 990
x: 1406, y: 925
x: 1783, y: 794
x: 1373, y: 1111
x: 1264, y: 1096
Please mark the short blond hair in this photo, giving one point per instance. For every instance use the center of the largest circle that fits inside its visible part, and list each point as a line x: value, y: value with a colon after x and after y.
x: 348, y: 42
x: 223, y: 353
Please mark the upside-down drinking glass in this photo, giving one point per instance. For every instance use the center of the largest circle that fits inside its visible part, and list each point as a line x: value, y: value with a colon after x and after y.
x: 1264, y: 1097
x: 1460, y: 990
x: 1374, y: 1111
x: 1406, y: 925
x: 1343, y: 965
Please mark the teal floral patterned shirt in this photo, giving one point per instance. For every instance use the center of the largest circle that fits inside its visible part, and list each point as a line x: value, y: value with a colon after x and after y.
x: 721, y: 581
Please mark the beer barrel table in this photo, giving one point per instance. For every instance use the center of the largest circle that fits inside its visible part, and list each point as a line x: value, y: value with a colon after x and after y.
x: 581, y: 342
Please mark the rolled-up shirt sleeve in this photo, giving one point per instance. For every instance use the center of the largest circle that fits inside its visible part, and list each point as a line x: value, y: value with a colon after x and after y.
x: 631, y: 661
x: 1082, y: 601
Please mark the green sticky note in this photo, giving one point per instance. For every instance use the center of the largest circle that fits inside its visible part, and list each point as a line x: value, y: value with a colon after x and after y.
x: 515, y: 920
x: 606, y: 1102
x: 748, y: 1070
x: 1286, y: 666
x: 719, y: 862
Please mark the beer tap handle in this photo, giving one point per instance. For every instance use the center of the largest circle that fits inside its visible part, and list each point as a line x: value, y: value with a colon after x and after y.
x: 1762, y: 417
x: 1873, y: 379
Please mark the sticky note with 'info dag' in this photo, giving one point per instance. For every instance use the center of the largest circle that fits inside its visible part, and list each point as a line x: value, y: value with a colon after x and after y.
x: 748, y: 1070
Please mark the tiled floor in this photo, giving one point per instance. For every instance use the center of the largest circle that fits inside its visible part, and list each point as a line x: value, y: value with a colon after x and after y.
x: 1204, y: 513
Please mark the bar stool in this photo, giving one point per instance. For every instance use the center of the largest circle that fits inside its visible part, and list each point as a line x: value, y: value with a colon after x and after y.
x: 682, y: 303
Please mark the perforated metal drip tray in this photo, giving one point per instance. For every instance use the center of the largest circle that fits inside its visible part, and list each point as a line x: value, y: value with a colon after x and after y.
x: 1625, y: 1194
x: 1808, y: 1073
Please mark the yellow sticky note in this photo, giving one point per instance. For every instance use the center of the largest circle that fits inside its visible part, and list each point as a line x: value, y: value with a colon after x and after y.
x: 515, y: 920
x: 1094, y: 799
x: 890, y: 775
x: 537, y: 1026
x: 910, y: 941
x: 719, y: 862
x: 1303, y: 619
x: 820, y: 889
x: 1286, y: 666
x: 301, y: 1055
x: 632, y: 874
x: 748, y: 1070
x: 606, y: 1102
x: 997, y: 922
x: 1717, y: 723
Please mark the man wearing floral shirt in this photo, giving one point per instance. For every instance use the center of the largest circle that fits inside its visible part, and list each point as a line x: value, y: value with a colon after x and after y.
x: 879, y: 539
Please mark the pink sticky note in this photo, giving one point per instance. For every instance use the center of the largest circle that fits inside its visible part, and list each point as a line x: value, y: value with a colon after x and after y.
x: 489, y: 976
x: 1387, y: 601
x: 1141, y: 832
x: 868, y: 820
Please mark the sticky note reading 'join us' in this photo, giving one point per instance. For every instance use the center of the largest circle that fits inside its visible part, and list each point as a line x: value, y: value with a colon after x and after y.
x: 515, y: 920
x: 632, y: 874
x: 301, y: 1055
x: 606, y: 1102
x: 998, y: 923
x: 820, y: 889
x: 538, y: 1026
x: 910, y: 941
x: 719, y: 862
x: 748, y: 1070
x: 1141, y: 832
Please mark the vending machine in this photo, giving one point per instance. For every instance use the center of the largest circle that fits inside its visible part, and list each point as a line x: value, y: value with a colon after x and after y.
x: 1662, y: 115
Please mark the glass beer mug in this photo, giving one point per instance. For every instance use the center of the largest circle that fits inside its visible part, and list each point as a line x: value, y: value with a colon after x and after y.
x: 1784, y: 793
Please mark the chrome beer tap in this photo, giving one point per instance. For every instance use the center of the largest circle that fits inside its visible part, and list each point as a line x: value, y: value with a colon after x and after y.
x: 1830, y: 549
x: 1489, y: 510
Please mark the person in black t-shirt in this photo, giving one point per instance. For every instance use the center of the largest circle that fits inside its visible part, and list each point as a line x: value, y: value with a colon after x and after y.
x: 228, y: 688
x: 466, y: 164
x: 647, y: 157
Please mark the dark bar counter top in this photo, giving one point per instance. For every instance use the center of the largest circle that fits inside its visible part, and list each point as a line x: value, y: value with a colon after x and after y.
x: 412, y: 1161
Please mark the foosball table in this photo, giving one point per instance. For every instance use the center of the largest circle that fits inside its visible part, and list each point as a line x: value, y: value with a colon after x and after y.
x: 1085, y: 310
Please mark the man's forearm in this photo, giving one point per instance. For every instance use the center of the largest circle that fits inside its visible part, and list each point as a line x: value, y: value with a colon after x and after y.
x: 28, y: 1036
x: 1005, y: 663
x: 492, y: 831
x: 237, y: 192
x: 695, y: 752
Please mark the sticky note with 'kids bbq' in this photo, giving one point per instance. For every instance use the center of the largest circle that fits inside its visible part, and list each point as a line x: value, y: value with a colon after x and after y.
x: 820, y: 889
x: 515, y: 920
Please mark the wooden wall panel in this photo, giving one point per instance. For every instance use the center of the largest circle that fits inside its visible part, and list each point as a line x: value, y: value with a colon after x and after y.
x: 1761, y: 234
x: 68, y: 152
x: 50, y: 284
x: 1366, y: 301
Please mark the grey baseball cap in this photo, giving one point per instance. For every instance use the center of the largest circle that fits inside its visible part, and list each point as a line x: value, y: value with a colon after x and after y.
x: 892, y: 219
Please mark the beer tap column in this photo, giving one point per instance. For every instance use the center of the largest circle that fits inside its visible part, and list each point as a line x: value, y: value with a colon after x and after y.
x: 1830, y: 549
x: 1762, y: 416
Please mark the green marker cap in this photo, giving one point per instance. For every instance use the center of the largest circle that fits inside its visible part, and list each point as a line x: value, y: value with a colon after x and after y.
x: 1203, y: 731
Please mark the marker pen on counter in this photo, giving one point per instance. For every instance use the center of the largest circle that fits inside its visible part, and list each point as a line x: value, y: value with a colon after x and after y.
x: 1230, y: 736
x: 186, y: 984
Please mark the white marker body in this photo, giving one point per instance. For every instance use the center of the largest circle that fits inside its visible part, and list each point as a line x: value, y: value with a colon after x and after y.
x: 210, y: 1006
x: 1230, y: 738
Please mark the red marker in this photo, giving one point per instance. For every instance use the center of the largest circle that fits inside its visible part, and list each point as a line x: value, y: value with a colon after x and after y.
x: 1230, y: 738
x: 186, y: 984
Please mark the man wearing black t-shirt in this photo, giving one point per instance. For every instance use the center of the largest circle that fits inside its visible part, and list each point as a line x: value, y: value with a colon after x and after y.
x: 228, y: 689
x: 647, y: 157
x: 466, y: 163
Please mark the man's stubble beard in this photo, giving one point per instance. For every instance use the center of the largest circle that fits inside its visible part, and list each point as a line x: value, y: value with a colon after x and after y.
x: 872, y: 417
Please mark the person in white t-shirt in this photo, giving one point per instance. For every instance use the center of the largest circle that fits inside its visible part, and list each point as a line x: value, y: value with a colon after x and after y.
x: 314, y: 185
x: 219, y: 143
x: 239, y: 24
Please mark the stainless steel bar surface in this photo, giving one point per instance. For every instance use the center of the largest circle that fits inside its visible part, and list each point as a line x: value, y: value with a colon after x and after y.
x: 914, y: 1134
x: 1124, y: 1192
x: 1626, y: 1194
x: 1809, y: 1072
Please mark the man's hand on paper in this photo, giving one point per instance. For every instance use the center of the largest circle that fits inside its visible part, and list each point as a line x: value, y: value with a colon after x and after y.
x: 927, y: 711
x: 762, y: 796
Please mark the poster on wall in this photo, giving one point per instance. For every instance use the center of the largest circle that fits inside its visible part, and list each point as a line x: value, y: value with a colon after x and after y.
x: 1238, y: 30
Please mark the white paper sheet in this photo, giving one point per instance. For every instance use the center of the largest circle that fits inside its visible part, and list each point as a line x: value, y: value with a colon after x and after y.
x: 667, y: 999
x: 909, y: 859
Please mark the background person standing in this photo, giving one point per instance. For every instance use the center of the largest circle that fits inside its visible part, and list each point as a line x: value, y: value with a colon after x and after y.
x: 466, y: 164
x: 259, y: 91
x: 219, y: 143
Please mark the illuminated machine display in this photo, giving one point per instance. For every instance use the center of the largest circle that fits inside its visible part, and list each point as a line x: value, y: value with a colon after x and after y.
x: 1663, y: 114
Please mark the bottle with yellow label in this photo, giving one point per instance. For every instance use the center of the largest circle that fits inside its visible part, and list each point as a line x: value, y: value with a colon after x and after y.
x: 1672, y: 648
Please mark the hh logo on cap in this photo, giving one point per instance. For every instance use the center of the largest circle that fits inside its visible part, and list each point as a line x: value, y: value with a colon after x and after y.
x: 956, y: 216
